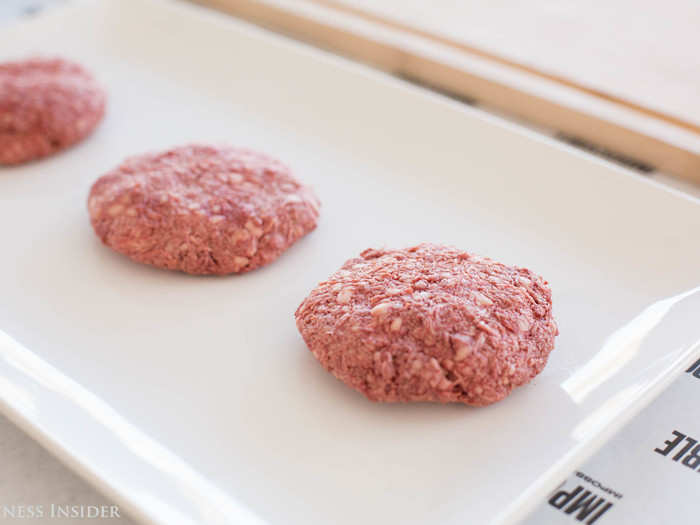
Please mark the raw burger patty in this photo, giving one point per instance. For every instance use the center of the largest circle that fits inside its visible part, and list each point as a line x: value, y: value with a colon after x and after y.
x: 46, y: 105
x: 430, y: 323
x: 202, y: 209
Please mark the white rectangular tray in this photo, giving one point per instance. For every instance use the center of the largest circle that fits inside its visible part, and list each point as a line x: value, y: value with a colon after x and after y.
x: 194, y: 400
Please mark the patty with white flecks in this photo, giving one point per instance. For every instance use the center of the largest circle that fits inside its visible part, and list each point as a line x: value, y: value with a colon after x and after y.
x: 430, y: 323
x: 202, y: 209
x: 46, y: 105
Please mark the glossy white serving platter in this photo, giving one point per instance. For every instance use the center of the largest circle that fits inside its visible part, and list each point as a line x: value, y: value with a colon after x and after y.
x: 194, y: 400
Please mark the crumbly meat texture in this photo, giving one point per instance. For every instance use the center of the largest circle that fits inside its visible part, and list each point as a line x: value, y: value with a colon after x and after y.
x: 430, y: 323
x: 202, y: 209
x: 46, y: 105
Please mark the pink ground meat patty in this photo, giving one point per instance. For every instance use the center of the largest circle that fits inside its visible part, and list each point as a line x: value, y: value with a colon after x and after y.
x: 46, y: 105
x: 202, y: 209
x: 430, y: 323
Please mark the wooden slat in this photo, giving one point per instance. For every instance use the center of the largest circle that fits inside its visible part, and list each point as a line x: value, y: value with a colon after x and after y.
x: 629, y: 131
x: 637, y: 53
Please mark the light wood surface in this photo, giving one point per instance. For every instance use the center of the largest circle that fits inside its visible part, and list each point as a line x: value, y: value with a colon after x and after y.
x: 535, y: 90
x: 642, y: 53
